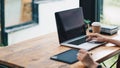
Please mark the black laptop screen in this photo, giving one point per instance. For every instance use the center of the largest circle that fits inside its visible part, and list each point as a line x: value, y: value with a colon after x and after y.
x: 70, y: 24
x: 71, y: 20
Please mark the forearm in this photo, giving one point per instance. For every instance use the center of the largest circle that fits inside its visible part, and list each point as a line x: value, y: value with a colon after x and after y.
x: 94, y: 65
x: 116, y: 42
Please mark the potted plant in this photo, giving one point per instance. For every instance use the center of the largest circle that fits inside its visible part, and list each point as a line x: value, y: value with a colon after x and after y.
x: 87, y: 21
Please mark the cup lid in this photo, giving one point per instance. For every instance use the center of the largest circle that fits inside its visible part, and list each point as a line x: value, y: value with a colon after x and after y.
x: 96, y: 24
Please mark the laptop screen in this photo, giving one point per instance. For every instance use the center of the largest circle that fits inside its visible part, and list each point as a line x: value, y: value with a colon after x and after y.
x: 70, y: 24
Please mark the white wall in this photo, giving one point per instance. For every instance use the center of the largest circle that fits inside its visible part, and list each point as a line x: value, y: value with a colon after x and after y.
x: 46, y: 20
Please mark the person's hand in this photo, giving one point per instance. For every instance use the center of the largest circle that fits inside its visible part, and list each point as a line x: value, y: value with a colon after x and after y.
x: 85, y: 57
x: 97, y: 37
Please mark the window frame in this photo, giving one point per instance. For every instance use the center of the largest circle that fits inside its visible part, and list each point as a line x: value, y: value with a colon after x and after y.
x: 94, y: 7
x: 5, y: 31
x: 33, y: 22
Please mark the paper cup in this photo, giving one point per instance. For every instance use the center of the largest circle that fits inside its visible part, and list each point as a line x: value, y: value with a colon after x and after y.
x: 96, y: 27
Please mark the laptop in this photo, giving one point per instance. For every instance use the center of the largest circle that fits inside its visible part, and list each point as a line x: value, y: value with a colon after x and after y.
x: 72, y: 29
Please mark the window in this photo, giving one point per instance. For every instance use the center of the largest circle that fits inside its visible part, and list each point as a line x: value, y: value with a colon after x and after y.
x: 17, y: 12
x: 20, y: 14
x: 17, y: 15
x: 91, y: 9
x: 110, y: 12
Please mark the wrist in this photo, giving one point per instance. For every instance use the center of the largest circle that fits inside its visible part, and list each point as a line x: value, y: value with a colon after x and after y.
x: 107, y: 40
x: 94, y: 65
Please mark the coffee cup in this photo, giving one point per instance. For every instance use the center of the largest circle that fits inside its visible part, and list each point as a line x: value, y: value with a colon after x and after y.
x: 96, y: 27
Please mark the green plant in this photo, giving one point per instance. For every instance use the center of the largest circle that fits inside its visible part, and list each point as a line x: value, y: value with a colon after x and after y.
x: 87, y: 21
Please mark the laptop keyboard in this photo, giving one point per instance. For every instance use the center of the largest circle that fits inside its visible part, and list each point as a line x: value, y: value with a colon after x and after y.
x: 79, y: 41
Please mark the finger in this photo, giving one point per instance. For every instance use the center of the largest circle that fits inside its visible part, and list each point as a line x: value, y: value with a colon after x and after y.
x: 92, y: 35
x: 90, y: 53
x: 95, y: 38
x: 78, y: 57
x: 83, y: 51
x: 88, y: 39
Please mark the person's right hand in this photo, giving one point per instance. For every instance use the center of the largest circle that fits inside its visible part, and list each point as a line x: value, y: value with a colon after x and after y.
x: 97, y: 37
x: 86, y: 58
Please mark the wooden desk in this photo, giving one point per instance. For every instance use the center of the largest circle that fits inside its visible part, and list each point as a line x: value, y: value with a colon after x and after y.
x: 36, y: 53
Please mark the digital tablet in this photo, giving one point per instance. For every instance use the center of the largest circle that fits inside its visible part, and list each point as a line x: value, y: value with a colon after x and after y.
x: 69, y: 56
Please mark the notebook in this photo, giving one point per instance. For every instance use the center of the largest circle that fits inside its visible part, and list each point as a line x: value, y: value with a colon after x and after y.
x: 72, y: 29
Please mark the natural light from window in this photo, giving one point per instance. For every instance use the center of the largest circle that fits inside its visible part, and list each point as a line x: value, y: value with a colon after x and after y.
x: 111, y: 12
